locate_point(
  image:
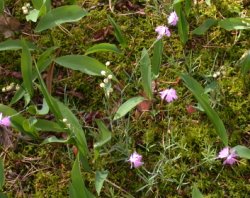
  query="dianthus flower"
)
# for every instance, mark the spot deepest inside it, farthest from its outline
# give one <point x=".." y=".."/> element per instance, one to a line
<point x="229" y="155"/>
<point x="136" y="160"/>
<point x="169" y="95"/>
<point x="173" y="18"/>
<point x="4" y="121"/>
<point x="162" y="30"/>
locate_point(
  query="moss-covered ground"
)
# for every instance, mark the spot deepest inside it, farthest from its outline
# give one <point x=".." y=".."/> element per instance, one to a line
<point x="178" y="148"/>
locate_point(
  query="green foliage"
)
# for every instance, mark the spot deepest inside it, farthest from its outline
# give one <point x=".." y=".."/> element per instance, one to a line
<point x="196" y="193"/>
<point x="104" y="136"/>
<point x="102" y="47"/>
<point x="100" y="177"/>
<point x="15" y="45"/>
<point x="157" y="57"/>
<point x="2" y="177"/>
<point x="208" y="23"/>
<point x="127" y="106"/>
<point x="57" y="16"/>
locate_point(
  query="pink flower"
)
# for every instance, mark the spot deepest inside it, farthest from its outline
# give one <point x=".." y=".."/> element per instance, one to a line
<point x="169" y="95"/>
<point x="173" y="18"/>
<point x="162" y="30"/>
<point x="229" y="155"/>
<point x="4" y="121"/>
<point x="136" y="160"/>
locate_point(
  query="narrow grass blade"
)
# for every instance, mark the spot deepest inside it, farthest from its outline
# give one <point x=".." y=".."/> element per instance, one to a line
<point x="202" y="29"/>
<point x="157" y="57"/>
<point x="242" y="151"/>
<point x="188" y="4"/>
<point x="102" y="47"/>
<point x="118" y="33"/>
<point x="183" y="26"/>
<point x="57" y="16"/>
<point x="26" y="68"/>
<point x="196" y="193"/>
<point x="202" y="98"/>
<point x="2" y="177"/>
<point x="127" y="106"/>
<point x="100" y="177"/>
<point x="104" y="136"/>
<point x="145" y="67"/>
<point x="15" y="45"/>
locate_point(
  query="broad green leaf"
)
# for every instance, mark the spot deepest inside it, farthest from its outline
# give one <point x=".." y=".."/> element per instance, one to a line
<point x="242" y="151"/>
<point x="202" y="98"/>
<point x="26" y="68"/>
<point x="196" y="193"/>
<point x="145" y="67"/>
<point x="51" y="103"/>
<point x="204" y="26"/>
<point x="2" y="178"/>
<point x="188" y="4"/>
<point x="83" y="64"/>
<point x="177" y="1"/>
<point x="105" y="134"/>
<point x="245" y="62"/>
<point x="77" y="187"/>
<point x="102" y="47"/>
<point x="235" y="23"/>
<point x="100" y="177"/>
<point x="48" y="126"/>
<point x="42" y="5"/>
<point x="75" y="126"/>
<point x="118" y="33"/>
<point x="28" y="125"/>
<point x="54" y="139"/>
<point x="2" y="195"/>
<point x="43" y="62"/>
<point x="1" y="6"/>
<point x="35" y="111"/>
<point x="15" y="45"/>
<point x="17" y="120"/>
<point x="208" y="2"/>
<point x="183" y="26"/>
<point x="157" y="57"/>
<point x="57" y="16"/>
<point x="127" y="106"/>
<point x="33" y="15"/>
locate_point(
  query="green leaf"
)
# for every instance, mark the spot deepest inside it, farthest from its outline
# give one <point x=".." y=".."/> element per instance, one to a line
<point x="242" y="151"/>
<point x="75" y="126"/>
<point x="2" y="178"/>
<point x="205" y="26"/>
<point x="83" y="64"/>
<point x="118" y="33"/>
<point x="33" y="15"/>
<point x="202" y="98"/>
<point x="43" y="62"/>
<point x="102" y="47"/>
<point x="105" y="134"/>
<point x="188" y="4"/>
<point x="208" y="2"/>
<point x="26" y="68"/>
<point x="54" y="139"/>
<point x="157" y="57"/>
<point x="145" y="67"/>
<point x="245" y="62"/>
<point x="48" y="126"/>
<point x="1" y="6"/>
<point x="177" y="1"/>
<point x="77" y="187"/>
<point x="100" y="177"/>
<point x="235" y="23"/>
<point x="183" y="26"/>
<point x="57" y="16"/>
<point x="127" y="106"/>
<point x="196" y="193"/>
<point x="15" y="45"/>
<point x="17" y="120"/>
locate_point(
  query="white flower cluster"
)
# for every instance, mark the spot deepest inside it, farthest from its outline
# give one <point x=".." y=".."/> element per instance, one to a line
<point x="219" y="73"/>
<point x="11" y="87"/>
<point x="26" y="8"/>
<point x="106" y="84"/>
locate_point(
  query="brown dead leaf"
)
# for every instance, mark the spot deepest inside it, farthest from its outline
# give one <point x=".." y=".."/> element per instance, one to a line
<point x="102" y="34"/>
<point x="8" y="25"/>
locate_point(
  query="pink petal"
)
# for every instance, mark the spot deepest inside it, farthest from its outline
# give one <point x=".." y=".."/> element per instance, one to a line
<point x="224" y="153"/>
